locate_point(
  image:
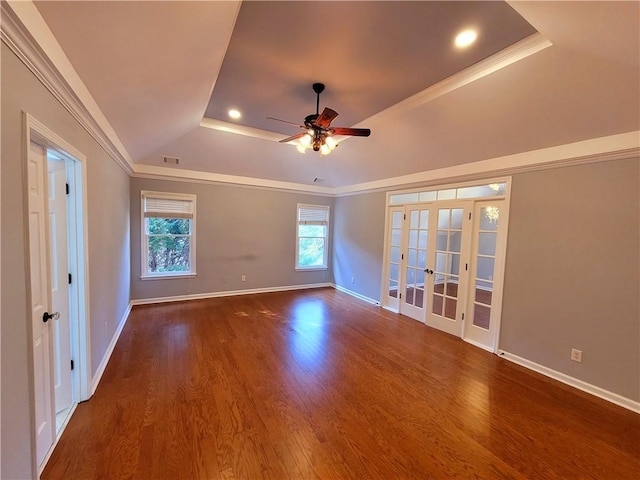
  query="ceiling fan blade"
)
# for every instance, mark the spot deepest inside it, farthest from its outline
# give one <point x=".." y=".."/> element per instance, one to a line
<point x="326" y="117"/>
<point x="285" y="121"/>
<point x="356" y="132"/>
<point x="294" y="137"/>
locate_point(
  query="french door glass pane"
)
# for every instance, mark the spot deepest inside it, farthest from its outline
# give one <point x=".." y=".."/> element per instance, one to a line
<point x="441" y="242"/>
<point x="485" y="268"/>
<point x="396" y="219"/>
<point x="481" y="316"/>
<point x="393" y="289"/>
<point x="437" y="304"/>
<point x="456" y="218"/>
<point x="450" y="308"/>
<point x="487" y="243"/>
<point x="483" y="296"/>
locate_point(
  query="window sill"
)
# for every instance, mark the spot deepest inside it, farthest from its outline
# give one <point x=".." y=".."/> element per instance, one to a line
<point x="168" y="277"/>
<point x="310" y="269"/>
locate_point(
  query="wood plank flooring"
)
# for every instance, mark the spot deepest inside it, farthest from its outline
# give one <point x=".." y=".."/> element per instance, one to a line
<point x="316" y="384"/>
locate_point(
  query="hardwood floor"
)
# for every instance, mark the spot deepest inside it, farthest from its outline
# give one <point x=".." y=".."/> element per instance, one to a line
<point x="316" y="384"/>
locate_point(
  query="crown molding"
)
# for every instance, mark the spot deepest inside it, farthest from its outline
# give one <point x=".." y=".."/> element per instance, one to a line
<point x="603" y="149"/>
<point x="524" y="48"/>
<point x="229" y="127"/>
<point x="25" y="32"/>
<point x="519" y="50"/>
<point x="194" y="176"/>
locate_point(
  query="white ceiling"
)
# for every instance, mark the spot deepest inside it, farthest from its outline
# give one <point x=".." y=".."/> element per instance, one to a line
<point x="155" y="69"/>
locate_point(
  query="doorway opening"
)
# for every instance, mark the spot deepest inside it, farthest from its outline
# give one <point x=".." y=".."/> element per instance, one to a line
<point x="59" y="324"/>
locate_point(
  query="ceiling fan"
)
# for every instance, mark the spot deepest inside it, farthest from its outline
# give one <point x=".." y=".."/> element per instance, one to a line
<point x="319" y="133"/>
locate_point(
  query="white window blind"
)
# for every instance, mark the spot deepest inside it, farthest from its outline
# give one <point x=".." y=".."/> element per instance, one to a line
<point x="167" y="207"/>
<point x="311" y="215"/>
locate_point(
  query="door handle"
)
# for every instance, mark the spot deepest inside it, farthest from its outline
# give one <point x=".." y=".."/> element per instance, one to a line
<point x="430" y="272"/>
<point x="46" y="316"/>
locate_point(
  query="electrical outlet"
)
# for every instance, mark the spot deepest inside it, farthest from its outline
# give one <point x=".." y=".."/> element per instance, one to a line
<point x="576" y="355"/>
<point x="243" y="278"/>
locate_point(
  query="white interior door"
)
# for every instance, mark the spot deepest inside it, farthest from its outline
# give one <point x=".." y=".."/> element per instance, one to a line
<point x="414" y="261"/>
<point x="60" y="283"/>
<point x="394" y="258"/>
<point x="480" y="326"/>
<point x="448" y="267"/>
<point x="40" y="301"/>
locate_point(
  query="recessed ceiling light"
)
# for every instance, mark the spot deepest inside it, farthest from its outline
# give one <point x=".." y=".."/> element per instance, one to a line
<point x="235" y="114"/>
<point x="466" y="38"/>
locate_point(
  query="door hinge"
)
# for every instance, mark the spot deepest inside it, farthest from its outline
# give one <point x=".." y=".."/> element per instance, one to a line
<point x="463" y="316"/>
<point x="404" y="217"/>
<point x="71" y="364"/>
<point x="69" y="279"/>
<point x="466" y="267"/>
<point x="399" y="295"/>
<point x="469" y="215"/>
<point x="402" y="256"/>
<point x="66" y="188"/>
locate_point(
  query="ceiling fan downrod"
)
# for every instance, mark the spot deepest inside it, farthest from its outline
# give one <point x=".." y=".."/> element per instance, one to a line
<point x="318" y="88"/>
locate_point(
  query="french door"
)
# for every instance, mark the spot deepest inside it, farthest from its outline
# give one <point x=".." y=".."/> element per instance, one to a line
<point x="443" y="266"/>
<point x="485" y="274"/>
<point x="425" y="280"/>
<point x="449" y="267"/>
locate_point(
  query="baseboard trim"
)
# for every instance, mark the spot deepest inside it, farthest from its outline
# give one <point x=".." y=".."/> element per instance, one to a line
<point x="573" y="382"/>
<point x="356" y="294"/>
<point x="479" y="345"/>
<point x="107" y="355"/>
<point x="228" y="293"/>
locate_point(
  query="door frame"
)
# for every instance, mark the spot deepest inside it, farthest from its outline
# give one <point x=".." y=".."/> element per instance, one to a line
<point x="36" y="132"/>
<point x="439" y="194"/>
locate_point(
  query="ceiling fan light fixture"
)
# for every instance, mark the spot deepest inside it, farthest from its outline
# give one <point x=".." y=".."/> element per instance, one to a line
<point x="305" y="140"/>
<point x="324" y="149"/>
<point x="330" y="142"/>
<point x="301" y="148"/>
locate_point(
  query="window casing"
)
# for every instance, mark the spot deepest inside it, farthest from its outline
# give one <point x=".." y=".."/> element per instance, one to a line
<point x="312" y="237"/>
<point x="168" y="235"/>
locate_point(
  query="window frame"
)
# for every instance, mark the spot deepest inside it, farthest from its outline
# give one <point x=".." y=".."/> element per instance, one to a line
<point x="145" y="274"/>
<point x="325" y="258"/>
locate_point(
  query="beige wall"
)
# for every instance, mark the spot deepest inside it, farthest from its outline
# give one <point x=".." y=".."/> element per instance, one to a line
<point x="108" y="243"/>
<point x="359" y="243"/>
<point x="239" y="231"/>
<point x="571" y="275"/>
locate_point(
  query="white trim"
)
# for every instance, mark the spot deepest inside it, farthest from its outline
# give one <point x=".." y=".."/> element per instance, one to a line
<point x="227" y="293"/>
<point x="168" y="277"/>
<point x="37" y="131"/>
<point x="144" y="238"/>
<point x="229" y="127"/>
<point x="627" y="403"/>
<point x="59" y="432"/>
<point x="107" y="354"/>
<point x="26" y="33"/>
<point x="356" y="295"/>
<point x="528" y="46"/>
<point x="28" y="36"/>
<point x="602" y="149"/>
<point x="518" y="51"/>
<point x="478" y="344"/>
<point x="325" y="252"/>
<point x="195" y="176"/>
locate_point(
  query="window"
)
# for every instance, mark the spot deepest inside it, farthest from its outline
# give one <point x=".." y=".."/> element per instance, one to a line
<point x="168" y="234"/>
<point x="312" y="235"/>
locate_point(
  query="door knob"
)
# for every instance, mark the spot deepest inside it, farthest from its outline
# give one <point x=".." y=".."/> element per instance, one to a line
<point x="46" y="316"/>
